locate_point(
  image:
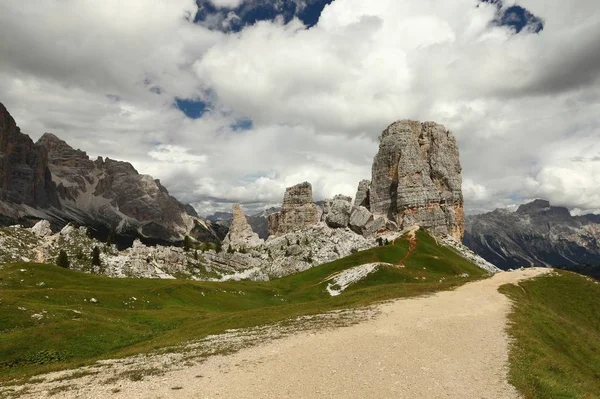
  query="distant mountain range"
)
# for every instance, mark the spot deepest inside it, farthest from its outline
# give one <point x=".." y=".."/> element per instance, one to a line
<point x="537" y="234"/>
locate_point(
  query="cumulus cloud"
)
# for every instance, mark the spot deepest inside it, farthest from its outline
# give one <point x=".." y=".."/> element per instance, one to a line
<point x="104" y="76"/>
<point x="227" y="3"/>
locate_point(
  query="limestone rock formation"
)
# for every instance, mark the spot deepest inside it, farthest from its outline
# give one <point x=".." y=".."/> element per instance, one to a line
<point x="297" y="211"/>
<point x="240" y="233"/>
<point x="338" y="215"/>
<point x="362" y="194"/>
<point x="416" y="178"/>
<point x="42" y="229"/>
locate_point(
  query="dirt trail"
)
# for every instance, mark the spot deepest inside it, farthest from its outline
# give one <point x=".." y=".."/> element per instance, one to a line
<point x="412" y="244"/>
<point x="449" y="345"/>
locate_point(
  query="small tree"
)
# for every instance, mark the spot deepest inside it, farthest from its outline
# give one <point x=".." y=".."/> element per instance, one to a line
<point x="96" y="257"/>
<point x="196" y="255"/>
<point x="63" y="259"/>
<point x="230" y="249"/>
<point x="219" y="247"/>
<point x="187" y="243"/>
<point x="110" y="240"/>
<point x="380" y="241"/>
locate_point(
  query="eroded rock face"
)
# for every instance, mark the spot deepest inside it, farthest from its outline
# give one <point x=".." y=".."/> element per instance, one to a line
<point x="240" y="233"/>
<point x="24" y="175"/>
<point x="297" y="211"/>
<point x="416" y="178"/>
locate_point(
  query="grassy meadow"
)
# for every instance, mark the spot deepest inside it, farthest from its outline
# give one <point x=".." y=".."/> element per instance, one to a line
<point x="53" y="318"/>
<point x="555" y="331"/>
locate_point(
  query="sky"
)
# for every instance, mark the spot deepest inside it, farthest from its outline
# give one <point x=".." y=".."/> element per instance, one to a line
<point x="233" y="100"/>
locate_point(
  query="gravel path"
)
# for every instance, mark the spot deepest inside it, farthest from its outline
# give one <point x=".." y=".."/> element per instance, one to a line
<point x="449" y="345"/>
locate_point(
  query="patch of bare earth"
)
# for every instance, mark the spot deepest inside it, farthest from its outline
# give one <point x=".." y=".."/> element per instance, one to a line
<point x="449" y="345"/>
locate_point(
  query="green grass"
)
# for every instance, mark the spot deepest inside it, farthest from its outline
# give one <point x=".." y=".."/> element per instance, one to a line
<point x="75" y="331"/>
<point x="556" y="330"/>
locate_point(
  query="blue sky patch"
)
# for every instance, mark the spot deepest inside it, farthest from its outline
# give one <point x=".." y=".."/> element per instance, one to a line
<point x="516" y="17"/>
<point x="250" y="12"/>
<point x="242" y="124"/>
<point x="193" y="109"/>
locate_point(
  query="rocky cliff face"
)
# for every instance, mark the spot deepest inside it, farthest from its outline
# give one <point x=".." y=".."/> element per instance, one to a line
<point x="24" y="174"/>
<point x="62" y="184"/>
<point x="537" y="234"/>
<point x="297" y="211"/>
<point x="416" y="178"/>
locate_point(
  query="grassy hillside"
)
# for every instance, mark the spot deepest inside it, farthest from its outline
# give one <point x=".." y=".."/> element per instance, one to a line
<point x="556" y="327"/>
<point x="53" y="318"/>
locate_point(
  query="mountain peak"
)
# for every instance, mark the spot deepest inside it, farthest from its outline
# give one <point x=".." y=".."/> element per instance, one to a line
<point x="534" y="206"/>
<point x="543" y="206"/>
<point x="61" y="153"/>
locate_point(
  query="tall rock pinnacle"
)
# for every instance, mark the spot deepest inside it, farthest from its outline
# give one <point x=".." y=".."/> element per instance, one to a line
<point x="240" y="233"/>
<point x="416" y="178"/>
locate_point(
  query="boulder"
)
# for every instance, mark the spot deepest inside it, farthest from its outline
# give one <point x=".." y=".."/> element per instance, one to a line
<point x="360" y="218"/>
<point x="339" y="212"/>
<point x="42" y="229"/>
<point x="416" y="178"/>
<point x="364" y="223"/>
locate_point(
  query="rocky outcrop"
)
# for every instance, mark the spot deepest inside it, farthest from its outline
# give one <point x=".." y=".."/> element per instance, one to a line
<point x="241" y="235"/>
<point x="537" y="234"/>
<point x="338" y="211"/>
<point x="362" y="194"/>
<point x="42" y="228"/>
<point x="24" y="174"/>
<point x="416" y="178"/>
<point x="51" y="180"/>
<point x="297" y="211"/>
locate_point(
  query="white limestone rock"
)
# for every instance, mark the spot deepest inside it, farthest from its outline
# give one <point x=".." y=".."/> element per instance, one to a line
<point x="42" y="229"/>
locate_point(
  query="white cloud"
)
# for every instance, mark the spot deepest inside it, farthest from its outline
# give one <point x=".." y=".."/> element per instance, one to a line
<point x="227" y="3"/>
<point x="103" y="76"/>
